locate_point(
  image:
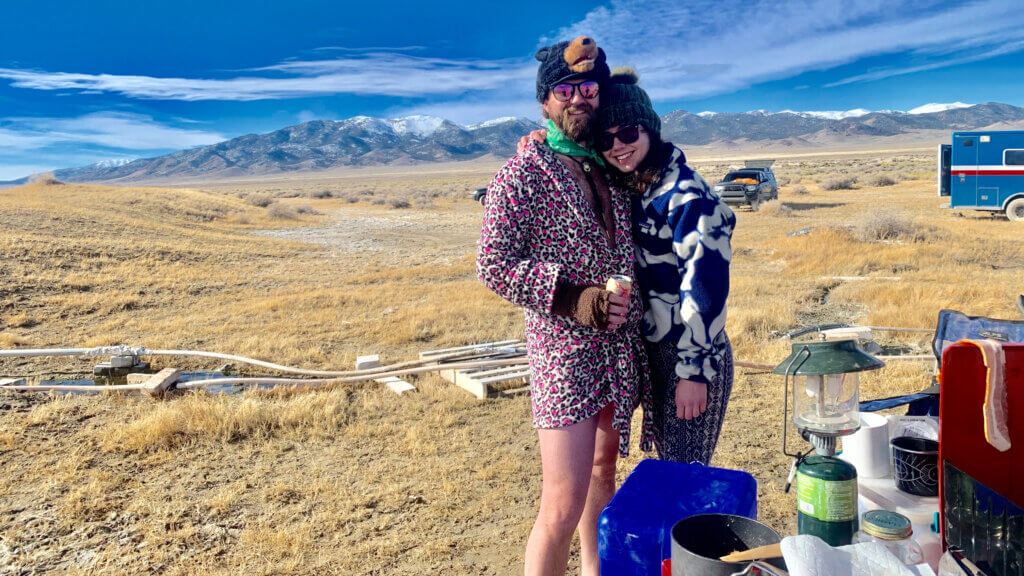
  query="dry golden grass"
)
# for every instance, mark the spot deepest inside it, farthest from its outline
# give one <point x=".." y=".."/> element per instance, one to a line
<point x="353" y="479"/>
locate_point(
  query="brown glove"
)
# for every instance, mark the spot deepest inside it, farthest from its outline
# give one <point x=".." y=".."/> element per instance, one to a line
<point x="587" y="305"/>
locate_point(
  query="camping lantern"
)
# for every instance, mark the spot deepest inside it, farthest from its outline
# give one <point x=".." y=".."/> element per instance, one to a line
<point x="825" y="389"/>
<point x="826" y="394"/>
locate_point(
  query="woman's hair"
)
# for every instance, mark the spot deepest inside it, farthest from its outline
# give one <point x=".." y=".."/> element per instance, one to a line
<point x="638" y="181"/>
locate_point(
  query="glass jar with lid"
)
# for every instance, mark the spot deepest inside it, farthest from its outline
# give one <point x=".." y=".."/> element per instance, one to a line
<point x="894" y="531"/>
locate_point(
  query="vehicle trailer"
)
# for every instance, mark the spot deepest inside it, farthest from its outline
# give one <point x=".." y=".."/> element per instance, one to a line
<point x="984" y="171"/>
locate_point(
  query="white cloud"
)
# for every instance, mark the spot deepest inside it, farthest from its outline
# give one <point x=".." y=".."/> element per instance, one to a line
<point x="706" y="47"/>
<point x="385" y="74"/>
<point x="104" y="129"/>
<point x="890" y="72"/>
<point x="683" y="49"/>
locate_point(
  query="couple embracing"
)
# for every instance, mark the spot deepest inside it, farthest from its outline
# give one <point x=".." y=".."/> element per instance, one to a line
<point x="596" y="194"/>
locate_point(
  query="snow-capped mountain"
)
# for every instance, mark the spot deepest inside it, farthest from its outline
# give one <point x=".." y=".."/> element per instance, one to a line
<point x="364" y="140"/>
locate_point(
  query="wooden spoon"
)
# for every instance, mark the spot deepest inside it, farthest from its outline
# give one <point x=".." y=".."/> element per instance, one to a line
<point x="759" y="553"/>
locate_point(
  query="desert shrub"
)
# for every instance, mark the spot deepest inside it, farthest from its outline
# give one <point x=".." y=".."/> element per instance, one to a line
<point x="778" y="209"/>
<point x="282" y="212"/>
<point x="320" y="194"/>
<point x="306" y="209"/>
<point x="45" y="178"/>
<point x="378" y="201"/>
<point x="838" y="183"/>
<point x="261" y="200"/>
<point x="22" y="321"/>
<point x="799" y="190"/>
<point x="882" y="226"/>
<point x="880" y="180"/>
<point x="423" y="201"/>
<point x="398" y="203"/>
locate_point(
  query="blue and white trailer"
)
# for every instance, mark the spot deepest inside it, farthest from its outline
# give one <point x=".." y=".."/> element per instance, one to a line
<point x="984" y="171"/>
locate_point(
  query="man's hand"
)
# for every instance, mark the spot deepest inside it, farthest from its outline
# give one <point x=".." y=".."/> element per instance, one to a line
<point x="538" y="135"/>
<point x="618" y="310"/>
<point x="691" y="399"/>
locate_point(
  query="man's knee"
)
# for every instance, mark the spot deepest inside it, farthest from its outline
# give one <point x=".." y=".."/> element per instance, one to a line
<point x="562" y="509"/>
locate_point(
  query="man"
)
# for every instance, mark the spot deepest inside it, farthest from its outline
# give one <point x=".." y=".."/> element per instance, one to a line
<point x="553" y="232"/>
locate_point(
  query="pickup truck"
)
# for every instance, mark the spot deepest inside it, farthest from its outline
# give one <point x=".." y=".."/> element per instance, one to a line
<point x="751" y="185"/>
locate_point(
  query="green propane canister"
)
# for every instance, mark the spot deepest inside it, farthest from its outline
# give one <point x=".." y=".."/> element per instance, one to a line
<point x="826" y="493"/>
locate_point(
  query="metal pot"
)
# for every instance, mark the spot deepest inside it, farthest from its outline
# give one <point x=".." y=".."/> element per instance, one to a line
<point x="699" y="541"/>
<point x="916" y="465"/>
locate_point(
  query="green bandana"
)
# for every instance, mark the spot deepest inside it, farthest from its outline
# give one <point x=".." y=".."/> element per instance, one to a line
<point x="563" y="145"/>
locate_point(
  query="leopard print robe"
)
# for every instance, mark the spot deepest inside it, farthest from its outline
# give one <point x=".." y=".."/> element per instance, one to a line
<point x="538" y="228"/>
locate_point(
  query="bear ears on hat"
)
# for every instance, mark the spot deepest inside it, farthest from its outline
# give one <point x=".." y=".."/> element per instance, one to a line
<point x="580" y="53"/>
<point x="624" y="75"/>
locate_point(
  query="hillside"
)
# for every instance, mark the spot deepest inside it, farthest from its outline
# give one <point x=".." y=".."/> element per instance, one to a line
<point x="322" y="145"/>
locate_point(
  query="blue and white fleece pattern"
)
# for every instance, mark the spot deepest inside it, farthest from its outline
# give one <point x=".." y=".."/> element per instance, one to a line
<point x="683" y="232"/>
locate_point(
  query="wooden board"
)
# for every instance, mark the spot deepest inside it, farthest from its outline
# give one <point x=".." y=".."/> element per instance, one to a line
<point x="159" y="383"/>
<point x="484" y="382"/>
<point x="481" y="383"/>
<point x="397" y="385"/>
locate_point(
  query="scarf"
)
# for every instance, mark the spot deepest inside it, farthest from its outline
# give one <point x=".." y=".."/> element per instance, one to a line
<point x="561" y="143"/>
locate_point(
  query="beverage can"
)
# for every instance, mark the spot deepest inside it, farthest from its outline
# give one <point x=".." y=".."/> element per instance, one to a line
<point x="620" y="284"/>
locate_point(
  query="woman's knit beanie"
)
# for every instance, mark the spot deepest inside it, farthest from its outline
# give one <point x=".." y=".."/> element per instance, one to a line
<point x="624" y="103"/>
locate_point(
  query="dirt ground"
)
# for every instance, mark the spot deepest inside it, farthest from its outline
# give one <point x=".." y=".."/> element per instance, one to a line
<point x="355" y="479"/>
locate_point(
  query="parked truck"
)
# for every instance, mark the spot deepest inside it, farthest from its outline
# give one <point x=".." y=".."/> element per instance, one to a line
<point x="984" y="171"/>
<point x="751" y="185"/>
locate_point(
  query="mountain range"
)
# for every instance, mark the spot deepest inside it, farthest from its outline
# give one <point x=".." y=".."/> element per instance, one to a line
<point x="364" y="141"/>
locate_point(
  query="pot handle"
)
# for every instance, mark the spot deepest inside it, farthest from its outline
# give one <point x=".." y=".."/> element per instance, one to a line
<point x="759" y="567"/>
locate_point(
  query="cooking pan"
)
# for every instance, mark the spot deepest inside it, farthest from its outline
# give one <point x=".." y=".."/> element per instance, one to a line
<point x="699" y="541"/>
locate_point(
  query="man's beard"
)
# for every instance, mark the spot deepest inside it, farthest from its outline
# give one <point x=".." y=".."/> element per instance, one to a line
<point x="578" y="128"/>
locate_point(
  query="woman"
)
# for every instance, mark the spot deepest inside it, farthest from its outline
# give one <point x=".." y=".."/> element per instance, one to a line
<point x="682" y="232"/>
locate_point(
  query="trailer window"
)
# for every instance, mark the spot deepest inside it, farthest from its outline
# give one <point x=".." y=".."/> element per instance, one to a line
<point x="1013" y="157"/>
<point x="968" y="141"/>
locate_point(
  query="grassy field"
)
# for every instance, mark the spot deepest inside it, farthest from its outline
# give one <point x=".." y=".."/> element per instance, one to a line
<point x="313" y="272"/>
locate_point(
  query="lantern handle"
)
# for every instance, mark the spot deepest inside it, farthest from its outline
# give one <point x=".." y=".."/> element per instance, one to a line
<point x="785" y="397"/>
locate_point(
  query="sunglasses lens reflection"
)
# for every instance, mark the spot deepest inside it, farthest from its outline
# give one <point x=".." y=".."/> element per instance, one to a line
<point x="606" y="140"/>
<point x="563" y="92"/>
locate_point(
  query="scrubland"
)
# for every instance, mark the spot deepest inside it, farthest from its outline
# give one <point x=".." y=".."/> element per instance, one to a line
<point x="355" y="479"/>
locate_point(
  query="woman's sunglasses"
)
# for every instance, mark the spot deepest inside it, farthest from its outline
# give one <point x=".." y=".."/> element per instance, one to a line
<point x="606" y="140"/>
<point x="564" y="92"/>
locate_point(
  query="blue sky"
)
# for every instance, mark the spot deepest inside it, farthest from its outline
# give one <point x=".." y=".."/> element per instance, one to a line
<point x="82" y="82"/>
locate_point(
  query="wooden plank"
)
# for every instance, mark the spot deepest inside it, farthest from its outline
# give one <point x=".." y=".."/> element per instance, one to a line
<point x="483" y="347"/>
<point x="499" y="371"/>
<point x="397" y="385"/>
<point x="516" y="391"/>
<point x="136" y="378"/>
<point x="12" y="382"/>
<point x="471" y="385"/>
<point x="160" y="382"/>
<point x="367" y="362"/>
<point x="505" y="377"/>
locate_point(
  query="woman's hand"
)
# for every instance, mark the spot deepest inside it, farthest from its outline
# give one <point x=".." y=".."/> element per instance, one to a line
<point x="618" y="310"/>
<point x="538" y="135"/>
<point x="691" y="399"/>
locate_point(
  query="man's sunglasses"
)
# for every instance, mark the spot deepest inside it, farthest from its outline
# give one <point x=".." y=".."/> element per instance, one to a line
<point x="564" y="92"/>
<point x="606" y="140"/>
